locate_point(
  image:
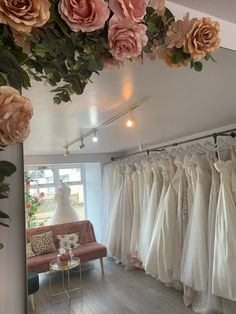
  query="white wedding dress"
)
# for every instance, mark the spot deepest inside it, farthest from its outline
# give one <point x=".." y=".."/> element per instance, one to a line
<point x="152" y="257"/>
<point x="136" y="215"/>
<point x="115" y="228"/>
<point x="181" y="187"/>
<point x="148" y="180"/>
<point x="127" y="216"/>
<point x="164" y="232"/>
<point x="194" y="266"/>
<point x="224" y="259"/>
<point x="153" y="204"/>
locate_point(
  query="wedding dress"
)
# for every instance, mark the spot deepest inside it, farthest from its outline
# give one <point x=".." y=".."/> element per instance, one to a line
<point x="165" y="228"/>
<point x="207" y="302"/>
<point x="152" y="257"/>
<point x="152" y="204"/>
<point x="115" y="229"/>
<point x="224" y="258"/>
<point x="181" y="187"/>
<point x="136" y="215"/>
<point x="127" y="215"/>
<point x="194" y="266"/>
<point x="148" y="179"/>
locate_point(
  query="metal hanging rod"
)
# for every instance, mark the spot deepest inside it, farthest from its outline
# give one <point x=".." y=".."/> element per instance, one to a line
<point x="231" y="132"/>
<point x="106" y="123"/>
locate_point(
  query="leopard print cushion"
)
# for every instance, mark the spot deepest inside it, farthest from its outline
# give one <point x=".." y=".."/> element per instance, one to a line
<point x="42" y="243"/>
<point x="29" y="252"/>
<point x="68" y="241"/>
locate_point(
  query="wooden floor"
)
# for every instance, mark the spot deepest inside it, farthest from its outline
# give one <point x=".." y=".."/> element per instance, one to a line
<point x="119" y="291"/>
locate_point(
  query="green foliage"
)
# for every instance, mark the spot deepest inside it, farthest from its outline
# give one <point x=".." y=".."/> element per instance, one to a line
<point x="65" y="59"/>
<point x="6" y="170"/>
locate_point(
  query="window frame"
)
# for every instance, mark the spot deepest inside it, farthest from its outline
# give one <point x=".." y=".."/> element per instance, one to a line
<point x="56" y="177"/>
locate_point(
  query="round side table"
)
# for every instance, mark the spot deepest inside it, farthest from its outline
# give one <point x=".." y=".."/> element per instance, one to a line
<point x="56" y="266"/>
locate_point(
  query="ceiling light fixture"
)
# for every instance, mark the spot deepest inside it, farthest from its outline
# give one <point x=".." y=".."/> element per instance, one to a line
<point x="95" y="138"/>
<point x="66" y="152"/>
<point x="81" y="144"/>
<point x="130" y="123"/>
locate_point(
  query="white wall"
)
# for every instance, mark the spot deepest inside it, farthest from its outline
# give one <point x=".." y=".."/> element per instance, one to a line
<point x="12" y="256"/>
<point x="94" y="197"/>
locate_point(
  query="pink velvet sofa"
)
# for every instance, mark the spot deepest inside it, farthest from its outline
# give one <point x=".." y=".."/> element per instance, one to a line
<point x="88" y="250"/>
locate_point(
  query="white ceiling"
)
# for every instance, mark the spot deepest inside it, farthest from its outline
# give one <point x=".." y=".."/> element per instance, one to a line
<point x="181" y="103"/>
<point x="225" y="10"/>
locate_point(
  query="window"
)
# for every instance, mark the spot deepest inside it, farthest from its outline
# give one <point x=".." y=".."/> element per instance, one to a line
<point x="40" y="188"/>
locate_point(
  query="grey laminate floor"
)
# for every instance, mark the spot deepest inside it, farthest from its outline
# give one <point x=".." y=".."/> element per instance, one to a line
<point x="119" y="292"/>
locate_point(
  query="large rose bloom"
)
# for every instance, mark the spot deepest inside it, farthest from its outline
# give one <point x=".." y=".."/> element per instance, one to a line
<point x="202" y="38"/>
<point x="129" y="9"/>
<point x="126" y="39"/>
<point x="15" y="114"/>
<point x="84" y="15"/>
<point x="25" y="14"/>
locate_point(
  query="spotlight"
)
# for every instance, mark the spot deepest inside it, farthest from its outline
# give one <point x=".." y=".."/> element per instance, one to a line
<point x="130" y="123"/>
<point x="66" y="152"/>
<point x="81" y="144"/>
<point x="95" y="139"/>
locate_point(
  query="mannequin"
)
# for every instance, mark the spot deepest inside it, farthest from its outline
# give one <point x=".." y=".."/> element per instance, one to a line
<point x="64" y="212"/>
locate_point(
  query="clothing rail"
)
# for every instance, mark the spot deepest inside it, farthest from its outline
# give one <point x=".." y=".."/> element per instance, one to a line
<point x="231" y="133"/>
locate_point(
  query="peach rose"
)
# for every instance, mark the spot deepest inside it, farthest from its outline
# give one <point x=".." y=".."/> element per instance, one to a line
<point x="202" y="38"/>
<point x="25" y="14"/>
<point x="158" y="5"/>
<point x="15" y="114"/>
<point x="84" y="15"/>
<point x="129" y="9"/>
<point x="126" y="39"/>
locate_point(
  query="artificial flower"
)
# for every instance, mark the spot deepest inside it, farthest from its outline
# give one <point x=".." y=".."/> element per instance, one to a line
<point x="175" y="36"/>
<point x="25" y="14"/>
<point x="15" y="114"/>
<point x="202" y="38"/>
<point x="129" y="9"/>
<point x="158" y="5"/>
<point x="84" y="15"/>
<point x="126" y="39"/>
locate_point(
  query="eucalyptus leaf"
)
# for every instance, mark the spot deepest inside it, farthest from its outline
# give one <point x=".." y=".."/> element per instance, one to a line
<point x="7" y="168"/>
<point x="4" y="225"/>
<point x="197" y="66"/>
<point x="1" y="246"/>
<point x="3" y="215"/>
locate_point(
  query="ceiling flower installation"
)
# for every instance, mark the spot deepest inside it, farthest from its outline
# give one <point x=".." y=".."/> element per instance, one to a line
<point x="64" y="42"/>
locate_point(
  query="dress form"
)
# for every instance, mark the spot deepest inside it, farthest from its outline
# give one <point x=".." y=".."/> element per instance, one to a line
<point x="64" y="212"/>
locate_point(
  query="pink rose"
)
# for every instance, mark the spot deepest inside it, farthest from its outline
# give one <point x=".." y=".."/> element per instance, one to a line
<point x="126" y="39"/>
<point x="15" y="114"/>
<point x="129" y="9"/>
<point x="84" y="15"/>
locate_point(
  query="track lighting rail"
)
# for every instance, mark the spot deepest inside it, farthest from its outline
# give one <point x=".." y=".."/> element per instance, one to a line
<point x="104" y="124"/>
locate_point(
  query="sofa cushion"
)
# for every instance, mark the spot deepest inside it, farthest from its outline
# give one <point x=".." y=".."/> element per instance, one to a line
<point x="29" y="251"/>
<point x="84" y="228"/>
<point x="68" y="241"/>
<point x="42" y="243"/>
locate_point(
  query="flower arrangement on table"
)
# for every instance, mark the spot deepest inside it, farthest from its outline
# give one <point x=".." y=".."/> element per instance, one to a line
<point x="65" y="41"/>
<point x="64" y="257"/>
